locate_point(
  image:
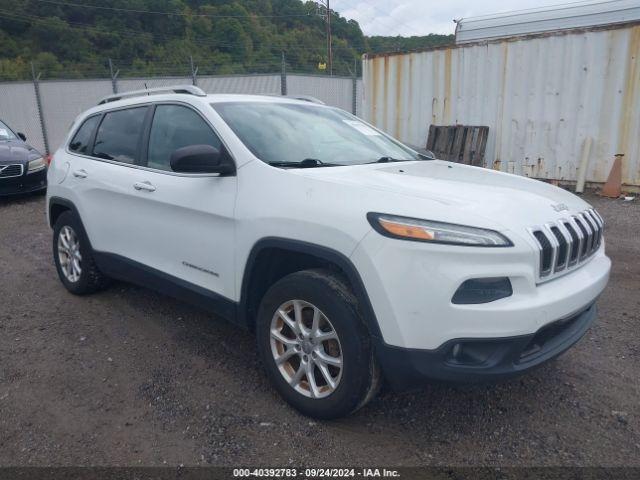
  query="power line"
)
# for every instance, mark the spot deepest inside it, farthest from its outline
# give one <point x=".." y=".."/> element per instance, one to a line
<point x="152" y="12"/>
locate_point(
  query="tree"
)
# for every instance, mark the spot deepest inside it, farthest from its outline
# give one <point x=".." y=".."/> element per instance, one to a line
<point x="223" y="36"/>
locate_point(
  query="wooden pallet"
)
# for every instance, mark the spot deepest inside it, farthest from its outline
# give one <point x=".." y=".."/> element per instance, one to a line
<point x="458" y="143"/>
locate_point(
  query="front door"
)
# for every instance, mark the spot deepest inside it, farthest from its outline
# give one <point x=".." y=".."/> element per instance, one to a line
<point x="185" y="221"/>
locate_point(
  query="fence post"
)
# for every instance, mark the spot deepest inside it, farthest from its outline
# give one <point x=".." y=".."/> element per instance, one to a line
<point x="194" y="72"/>
<point x="114" y="77"/>
<point x="354" y="88"/>
<point x="283" y="76"/>
<point x="36" y="87"/>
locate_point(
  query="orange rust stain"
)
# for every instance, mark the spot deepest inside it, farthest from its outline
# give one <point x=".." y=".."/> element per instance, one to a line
<point x="447" y="86"/>
<point x="399" y="109"/>
<point x="385" y="120"/>
<point x="375" y="87"/>
<point x="505" y="57"/>
<point x="410" y="93"/>
<point x="630" y="101"/>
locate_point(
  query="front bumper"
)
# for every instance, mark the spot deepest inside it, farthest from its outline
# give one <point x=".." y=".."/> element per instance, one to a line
<point x="25" y="183"/>
<point x="482" y="359"/>
<point x="411" y="286"/>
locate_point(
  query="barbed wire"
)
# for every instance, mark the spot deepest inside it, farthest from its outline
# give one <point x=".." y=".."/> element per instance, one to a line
<point x="179" y="14"/>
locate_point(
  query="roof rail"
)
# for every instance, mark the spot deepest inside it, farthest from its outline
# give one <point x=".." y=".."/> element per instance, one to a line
<point x="185" y="89"/>
<point x="304" y="98"/>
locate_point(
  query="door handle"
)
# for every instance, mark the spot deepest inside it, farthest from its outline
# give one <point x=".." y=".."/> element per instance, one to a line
<point x="146" y="186"/>
<point x="82" y="173"/>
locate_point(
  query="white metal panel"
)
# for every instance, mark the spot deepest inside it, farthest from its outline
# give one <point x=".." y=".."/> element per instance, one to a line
<point x="249" y="84"/>
<point x="359" y="93"/>
<point x="541" y="97"/>
<point x="547" y="19"/>
<point x="63" y="101"/>
<point x="334" y="91"/>
<point x="129" y="84"/>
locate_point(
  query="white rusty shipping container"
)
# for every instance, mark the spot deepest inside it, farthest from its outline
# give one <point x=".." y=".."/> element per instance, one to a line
<point x="547" y="19"/>
<point x="542" y="97"/>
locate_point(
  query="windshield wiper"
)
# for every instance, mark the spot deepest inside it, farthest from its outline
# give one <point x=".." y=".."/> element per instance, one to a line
<point x="306" y="163"/>
<point x="391" y="159"/>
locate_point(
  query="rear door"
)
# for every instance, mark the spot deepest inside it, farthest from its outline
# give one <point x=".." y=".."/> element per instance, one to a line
<point x="105" y="156"/>
<point x="184" y="223"/>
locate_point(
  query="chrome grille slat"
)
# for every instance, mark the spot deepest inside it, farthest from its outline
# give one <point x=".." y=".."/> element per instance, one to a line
<point x="598" y="225"/>
<point x="565" y="244"/>
<point x="586" y="233"/>
<point x="595" y="229"/>
<point x="11" y="170"/>
<point x="575" y="242"/>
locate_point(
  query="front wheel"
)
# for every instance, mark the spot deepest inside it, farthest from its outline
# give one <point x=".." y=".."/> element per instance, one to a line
<point x="315" y="346"/>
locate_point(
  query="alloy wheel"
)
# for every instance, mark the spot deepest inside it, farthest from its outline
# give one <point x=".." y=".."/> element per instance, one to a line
<point x="306" y="349"/>
<point x="69" y="254"/>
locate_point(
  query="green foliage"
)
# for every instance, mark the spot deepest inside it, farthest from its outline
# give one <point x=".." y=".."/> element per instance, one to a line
<point x="223" y="36"/>
<point x="403" y="44"/>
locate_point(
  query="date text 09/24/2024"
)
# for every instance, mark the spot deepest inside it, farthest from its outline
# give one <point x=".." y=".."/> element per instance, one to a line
<point x="315" y="472"/>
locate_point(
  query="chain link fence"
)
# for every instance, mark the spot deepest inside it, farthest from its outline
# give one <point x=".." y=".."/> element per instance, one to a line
<point x="19" y="110"/>
<point x="44" y="109"/>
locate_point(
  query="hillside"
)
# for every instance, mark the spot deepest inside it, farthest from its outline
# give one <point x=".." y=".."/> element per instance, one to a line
<point x="75" y="38"/>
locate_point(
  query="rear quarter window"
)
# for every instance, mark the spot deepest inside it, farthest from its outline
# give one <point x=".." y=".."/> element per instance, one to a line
<point x="80" y="141"/>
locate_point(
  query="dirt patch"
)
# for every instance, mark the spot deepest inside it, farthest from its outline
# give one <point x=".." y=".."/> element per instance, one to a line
<point x="129" y="377"/>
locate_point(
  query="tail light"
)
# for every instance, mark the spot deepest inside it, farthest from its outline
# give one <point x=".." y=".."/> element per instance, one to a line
<point x="48" y="159"/>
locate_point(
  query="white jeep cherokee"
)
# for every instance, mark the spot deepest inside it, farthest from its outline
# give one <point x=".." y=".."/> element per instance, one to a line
<point x="351" y="256"/>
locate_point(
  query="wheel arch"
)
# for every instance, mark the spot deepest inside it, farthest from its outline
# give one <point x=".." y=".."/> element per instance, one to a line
<point x="273" y="258"/>
<point x="57" y="206"/>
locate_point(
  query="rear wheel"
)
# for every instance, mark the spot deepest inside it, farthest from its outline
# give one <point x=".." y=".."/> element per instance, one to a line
<point x="73" y="257"/>
<point x="315" y="346"/>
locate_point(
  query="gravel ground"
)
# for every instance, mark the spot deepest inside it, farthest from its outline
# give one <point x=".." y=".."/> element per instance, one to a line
<point x="129" y="377"/>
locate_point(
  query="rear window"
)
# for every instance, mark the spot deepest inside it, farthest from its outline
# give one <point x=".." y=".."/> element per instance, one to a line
<point x="80" y="142"/>
<point x="118" y="136"/>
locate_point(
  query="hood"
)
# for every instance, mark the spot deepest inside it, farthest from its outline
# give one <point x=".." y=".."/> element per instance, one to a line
<point x="16" y="151"/>
<point x="455" y="193"/>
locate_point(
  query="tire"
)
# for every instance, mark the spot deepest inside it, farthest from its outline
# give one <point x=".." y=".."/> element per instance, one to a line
<point x="89" y="279"/>
<point x="347" y="387"/>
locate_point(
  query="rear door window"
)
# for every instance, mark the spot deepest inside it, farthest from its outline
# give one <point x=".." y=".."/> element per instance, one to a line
<point x="82" y="138"/>
<point x="119" y="134"/>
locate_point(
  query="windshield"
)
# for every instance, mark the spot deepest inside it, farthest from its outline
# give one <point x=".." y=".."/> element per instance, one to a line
<point x="308" y="135"/>
<point x="6" y="133"/>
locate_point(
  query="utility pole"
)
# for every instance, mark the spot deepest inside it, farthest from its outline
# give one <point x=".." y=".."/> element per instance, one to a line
<point x="324" y="5"/>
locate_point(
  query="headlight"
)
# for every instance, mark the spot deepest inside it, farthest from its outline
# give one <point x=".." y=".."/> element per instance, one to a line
<point x="36" y="165"/>
<point x="436" y="232"/>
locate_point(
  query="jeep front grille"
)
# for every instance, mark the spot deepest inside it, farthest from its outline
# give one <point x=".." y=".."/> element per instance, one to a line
<point x="567" y="243"/>
<point x="8" y="171"/>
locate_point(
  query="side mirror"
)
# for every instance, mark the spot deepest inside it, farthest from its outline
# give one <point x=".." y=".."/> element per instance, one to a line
<point x="22" y="136"/>
<point x="200" y="159"/>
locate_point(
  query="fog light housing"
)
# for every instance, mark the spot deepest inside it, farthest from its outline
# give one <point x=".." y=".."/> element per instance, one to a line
<point x="472" y="353"/>
<point x="482" y="290"/>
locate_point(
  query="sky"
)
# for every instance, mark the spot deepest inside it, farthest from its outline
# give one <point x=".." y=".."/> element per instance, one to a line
<point x="421" y="17"/>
